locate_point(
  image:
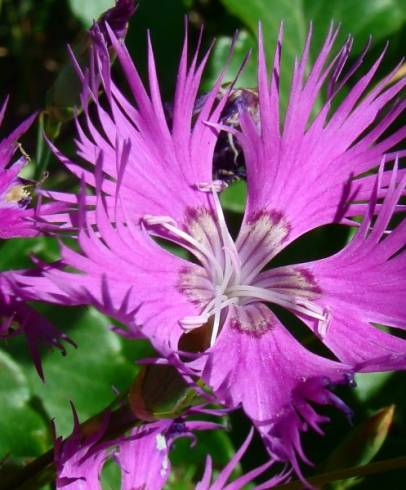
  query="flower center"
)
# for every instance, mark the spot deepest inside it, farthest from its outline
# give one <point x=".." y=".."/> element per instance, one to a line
<point x="232" y="271"/>
<point x="18" y="194"/>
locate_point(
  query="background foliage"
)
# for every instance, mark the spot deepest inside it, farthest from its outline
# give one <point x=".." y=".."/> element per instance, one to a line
<point x="33" y="38"/>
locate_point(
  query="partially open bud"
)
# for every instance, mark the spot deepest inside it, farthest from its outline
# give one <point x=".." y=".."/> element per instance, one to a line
<point x="159" y="391"/>
<point x="64" y="95"/>
<point x="228" y="159"/>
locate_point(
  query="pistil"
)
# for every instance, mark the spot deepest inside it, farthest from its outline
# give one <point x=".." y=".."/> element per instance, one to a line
<point x="233" y="281"/>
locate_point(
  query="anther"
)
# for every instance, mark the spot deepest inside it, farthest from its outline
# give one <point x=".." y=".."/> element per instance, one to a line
<point x="215" y="186"/>
<point x="152" y="220"/>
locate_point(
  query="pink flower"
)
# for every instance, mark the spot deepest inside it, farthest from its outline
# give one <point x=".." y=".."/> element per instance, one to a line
<point x="15" y="217"/>
<point x="18" y="219"/>
<point x="142" y="455"/>
<point x="154" y="182"/>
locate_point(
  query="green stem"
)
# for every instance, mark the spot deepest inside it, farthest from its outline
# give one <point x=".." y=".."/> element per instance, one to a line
<point x="368" y="469"/>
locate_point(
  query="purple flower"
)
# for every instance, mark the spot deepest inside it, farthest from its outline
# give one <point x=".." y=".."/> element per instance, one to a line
<point x="142" y="455"/>
<point x="117" y="18"/>
<point x="154" y="182"/>
<point x="17" y="317"/>
<point x="16" y="220"/>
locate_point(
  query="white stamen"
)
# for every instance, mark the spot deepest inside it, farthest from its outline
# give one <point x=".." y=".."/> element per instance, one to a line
<point x="158" y="220"/>
<point x="169" y="224"/>
<point x="192" y="322"/>
<point x="286" y="300"/>
<point x="217" y="312"/>
<point x="160" y="442"/>
<point x="215" y="186"/>
<point x="206" y="236"/>
<point x="323" y="325"/>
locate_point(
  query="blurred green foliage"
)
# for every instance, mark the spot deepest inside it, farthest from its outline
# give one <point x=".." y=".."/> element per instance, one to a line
<point x="33" y="38"/>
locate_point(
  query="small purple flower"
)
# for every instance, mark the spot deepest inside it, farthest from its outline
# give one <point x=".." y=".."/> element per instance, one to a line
<point x="15" y="217"/>
<point x="154" y="181"/>
<point x="17" y="220"/>
<point x="142" y="455"/>
<point x="117" y="18"/>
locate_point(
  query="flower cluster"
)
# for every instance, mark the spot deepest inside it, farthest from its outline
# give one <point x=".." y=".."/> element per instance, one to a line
<point x="212" y="315"/>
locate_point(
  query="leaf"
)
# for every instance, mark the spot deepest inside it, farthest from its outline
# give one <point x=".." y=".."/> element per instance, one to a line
<point x="23" y="432"/>
<point x="360" y="18"/>
<point x="233" y="198"/>
<point x="368" y="469"/>
<point x="87" y="11"/>
<point x="370" y="384"/>
<point x="381" y="18"/>
<point x="87" y="375"/>
<point x="244" y="43"/>
<point x="110" y="476"/>
<point x="15" y="254"/>
<point x="360" y="446"/>
<point x="271" y="14"/>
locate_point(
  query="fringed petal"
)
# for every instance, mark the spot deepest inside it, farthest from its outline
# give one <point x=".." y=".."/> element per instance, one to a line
<point x="313" y="169"/>
<point x="257" y="364"/>
<point x="364" y="285"/>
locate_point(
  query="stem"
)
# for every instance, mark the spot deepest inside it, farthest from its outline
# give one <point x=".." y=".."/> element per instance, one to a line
<point x="368" y="469"/>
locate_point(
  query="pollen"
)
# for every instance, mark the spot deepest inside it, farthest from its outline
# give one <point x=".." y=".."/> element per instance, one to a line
<point x="18" y="194"/>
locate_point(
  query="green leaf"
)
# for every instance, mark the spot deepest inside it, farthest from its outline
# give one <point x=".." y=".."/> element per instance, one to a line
<point x="221" y="51"/>
<point x="23" y="432"/>
<point x="87" y="375"/>
<point x="233" y="198"/>
<point x="15" y="254"/>
<point x="381" y="18"/>
<point x="368" y="469"/>
<point x="87" y="11"/>
<point x="360" y="446"/>
<point x="370" y="384"/>
<point x="111" y="476"/>
<point x="360" y="18"/>
<point x="271" y="13"/>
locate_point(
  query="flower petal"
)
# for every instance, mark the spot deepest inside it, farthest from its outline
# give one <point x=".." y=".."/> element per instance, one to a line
<point x="365" y="284"/>
<point x="312" y="170"/>
<point x="163" y="162"/>
<point x="256" y="363"/>
<point x="18" y="317"/>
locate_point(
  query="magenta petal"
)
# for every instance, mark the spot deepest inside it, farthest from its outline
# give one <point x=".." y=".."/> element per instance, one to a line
<point x="365" y="284"/>
<point x="310" y="169"/>
<point x="260" y="366"/>
<point x="136" y="137"/>
<point x="144" y="460"/>
<point x="18" y="317"/>
<point x="127" y="275"/>
<point x="220" y="483"/>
